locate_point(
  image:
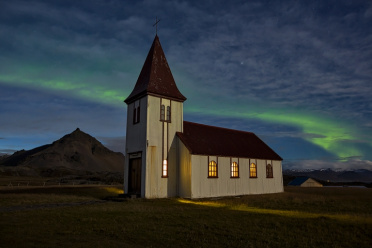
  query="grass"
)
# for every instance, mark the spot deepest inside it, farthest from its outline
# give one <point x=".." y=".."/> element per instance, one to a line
<point x="325" y="217"/>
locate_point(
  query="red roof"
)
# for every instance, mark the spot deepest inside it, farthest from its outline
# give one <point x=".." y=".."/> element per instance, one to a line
<point x="156" y="77"/>
<point x="216" y="141"/>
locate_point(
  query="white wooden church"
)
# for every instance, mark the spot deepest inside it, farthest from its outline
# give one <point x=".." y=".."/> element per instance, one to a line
<point x="169" y="157"/>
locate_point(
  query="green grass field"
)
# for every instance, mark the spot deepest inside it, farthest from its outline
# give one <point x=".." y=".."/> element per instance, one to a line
<point x="78" y="217"/>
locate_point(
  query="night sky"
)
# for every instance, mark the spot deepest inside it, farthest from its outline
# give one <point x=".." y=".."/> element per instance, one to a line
<point x="296" y="73"/>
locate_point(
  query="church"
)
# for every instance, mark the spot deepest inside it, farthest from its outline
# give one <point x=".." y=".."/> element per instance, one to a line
<point x="168" y="157"/>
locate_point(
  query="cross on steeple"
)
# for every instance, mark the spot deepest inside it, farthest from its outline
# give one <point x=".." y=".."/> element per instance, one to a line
<point x="156" y="25"/>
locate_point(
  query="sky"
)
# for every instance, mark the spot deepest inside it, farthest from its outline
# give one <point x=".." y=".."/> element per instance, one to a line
<point x="296" y="73"/>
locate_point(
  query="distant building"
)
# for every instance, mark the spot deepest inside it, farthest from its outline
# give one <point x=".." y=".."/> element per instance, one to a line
<point x="169" y="157"/>
<point x="305" y="182"/>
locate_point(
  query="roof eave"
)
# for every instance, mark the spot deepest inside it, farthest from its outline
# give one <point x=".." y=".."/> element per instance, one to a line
<point x="145" y="93"/>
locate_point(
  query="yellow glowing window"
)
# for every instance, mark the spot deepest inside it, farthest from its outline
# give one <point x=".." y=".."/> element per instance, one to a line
<point x="164" y="172"/>
<point x="269" y="171"/>
<point x="253" y="170"/>
<point x="212" y="169"/>
<point x="234" y="169"/>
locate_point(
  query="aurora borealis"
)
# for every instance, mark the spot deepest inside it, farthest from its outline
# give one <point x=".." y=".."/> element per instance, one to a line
<point x="296" y="73"/>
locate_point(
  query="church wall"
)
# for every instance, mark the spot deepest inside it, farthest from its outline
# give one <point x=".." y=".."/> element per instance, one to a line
<point x="278" y="174"/>
<point x="184" y="187"/>
<point x="176" y="125"/>
<point x="224" y="185"/>
<point x="160" y="137"/>
<point x="136" y="140"/>
<point x="136" y="135"/>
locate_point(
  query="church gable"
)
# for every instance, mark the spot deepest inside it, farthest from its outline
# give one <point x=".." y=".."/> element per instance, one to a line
<point x="209" y="140"/>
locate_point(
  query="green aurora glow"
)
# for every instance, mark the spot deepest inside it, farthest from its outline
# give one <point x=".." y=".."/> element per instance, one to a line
<point x="331" y="135"/>
<point x="90" y="92"/>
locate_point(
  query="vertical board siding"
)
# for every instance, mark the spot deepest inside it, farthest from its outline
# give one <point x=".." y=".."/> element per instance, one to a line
<point x="202" y="186"/>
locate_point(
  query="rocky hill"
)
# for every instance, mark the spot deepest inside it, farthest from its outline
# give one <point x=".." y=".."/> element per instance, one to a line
<point x="76" y="153"/>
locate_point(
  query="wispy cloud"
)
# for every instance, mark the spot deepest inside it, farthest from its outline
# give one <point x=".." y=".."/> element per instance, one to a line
<point x="353" y="164"/>
<point x="116" y="144"/>
<point x="302" y="68"/>
<point x="7" y="151"/>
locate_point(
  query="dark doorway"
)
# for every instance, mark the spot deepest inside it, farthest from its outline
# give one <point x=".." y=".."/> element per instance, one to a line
<point x="134" y="182"/>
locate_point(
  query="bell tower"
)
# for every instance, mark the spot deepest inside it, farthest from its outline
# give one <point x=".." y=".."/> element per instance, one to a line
<point x="154" y="115"/>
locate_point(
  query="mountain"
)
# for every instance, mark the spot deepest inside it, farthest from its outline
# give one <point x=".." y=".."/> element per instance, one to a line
<point x="74" y="153"/>
<point x="330" y="175"/>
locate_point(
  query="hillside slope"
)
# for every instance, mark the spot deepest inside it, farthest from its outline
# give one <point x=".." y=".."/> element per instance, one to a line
<point x="75" y="152"/>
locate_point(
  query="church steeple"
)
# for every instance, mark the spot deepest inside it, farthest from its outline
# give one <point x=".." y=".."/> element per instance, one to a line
<point x="156" y="77"/>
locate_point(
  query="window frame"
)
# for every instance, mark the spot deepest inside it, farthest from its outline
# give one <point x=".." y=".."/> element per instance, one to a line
<point x="164" y="169"/>
<point x="269" y="171"/>
<point x="136" y="114"/>
<point x="252" y="170"/>
<point x="234" y="170"/>
<point x="212" y="169"/>
<point x="168" y="114"/>
<point x="162" y="112"/>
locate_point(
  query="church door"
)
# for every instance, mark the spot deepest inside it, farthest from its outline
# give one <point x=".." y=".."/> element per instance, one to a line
<point x="134" y="182"/>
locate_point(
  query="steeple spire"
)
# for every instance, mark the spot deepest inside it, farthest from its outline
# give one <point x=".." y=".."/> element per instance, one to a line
<point x="156" y="77"/>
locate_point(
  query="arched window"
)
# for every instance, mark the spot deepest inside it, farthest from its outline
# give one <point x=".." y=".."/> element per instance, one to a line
<point x="269" y="171"/>
<point x="212" y="169"/>
<point x="253" y="170"/>
<point x="162" y="113"/>
<point x="168" y="113"/>
<point x="234" y="169"/>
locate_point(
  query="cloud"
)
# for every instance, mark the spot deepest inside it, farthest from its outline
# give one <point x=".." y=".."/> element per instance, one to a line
<point x="42" y="117"/>
<point x="302" y="66"/>
<point x="116" y="144"/>
<point x="7" y="151"/>
<point x="287" y="60"/>
<point x="297" y="135"/>
<point x="279" y="52"/>
<point x="353" y="164"/>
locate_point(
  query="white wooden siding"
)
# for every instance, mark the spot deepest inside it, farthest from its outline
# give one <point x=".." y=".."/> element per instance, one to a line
<point x="224" y="185"/>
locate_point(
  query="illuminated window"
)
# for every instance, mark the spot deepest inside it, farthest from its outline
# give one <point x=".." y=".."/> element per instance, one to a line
<point x="162" y="113"/>
<point x="165" y="169"/>
<point x="168" y="113"/>
<point x="212" y="169"/>
<point x="136" y="115"/>
<point x="234" y="169"/>
<point x="253" y="170"/>
<point x="269" y="171"/>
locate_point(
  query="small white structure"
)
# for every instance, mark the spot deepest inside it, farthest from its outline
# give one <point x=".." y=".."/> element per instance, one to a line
<point x="168" y="157"/>
<point x="305" y="182"/>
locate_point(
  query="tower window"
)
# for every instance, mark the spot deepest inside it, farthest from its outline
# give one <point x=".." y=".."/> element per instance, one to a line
<point x="164" y="172"/>
<point x="136" y="115"/>
<point x="168" y="113"/>
<point x="212" y="169"/>
<point x="162" y="112"/>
